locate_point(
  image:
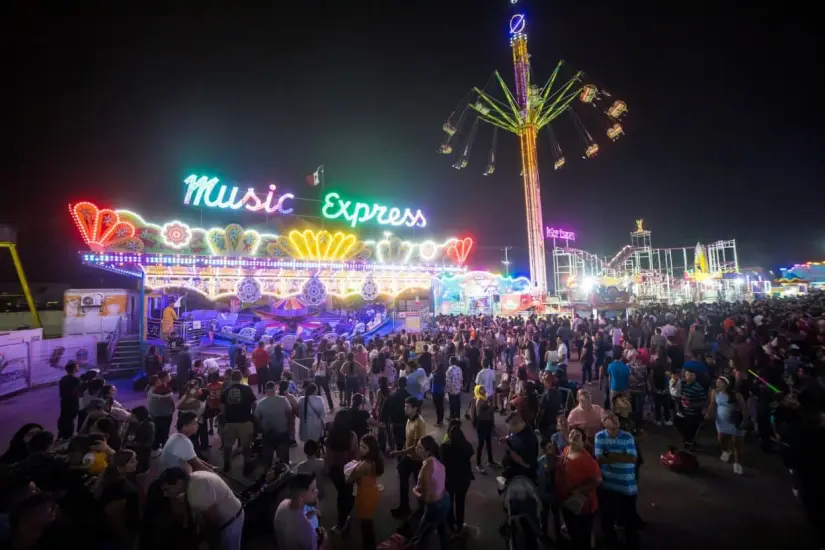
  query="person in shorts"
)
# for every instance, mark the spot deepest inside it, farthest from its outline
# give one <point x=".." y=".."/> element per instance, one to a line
<point x="237" y="402"/>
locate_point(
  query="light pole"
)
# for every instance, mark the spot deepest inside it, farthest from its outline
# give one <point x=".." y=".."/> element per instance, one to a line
<point x="506" y="260"/>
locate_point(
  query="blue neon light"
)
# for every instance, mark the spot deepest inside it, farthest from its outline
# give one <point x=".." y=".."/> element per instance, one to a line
<point x="517" y="23"/>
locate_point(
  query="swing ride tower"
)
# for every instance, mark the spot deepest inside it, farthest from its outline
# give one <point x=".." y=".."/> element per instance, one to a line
<point x="525" y="113"/>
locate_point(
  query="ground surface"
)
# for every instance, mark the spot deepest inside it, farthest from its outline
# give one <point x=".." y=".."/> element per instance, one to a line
<point x="709" y="510"/>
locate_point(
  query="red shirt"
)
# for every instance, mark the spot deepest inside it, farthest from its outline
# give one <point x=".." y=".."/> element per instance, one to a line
<point x="260" y="358"/>
<point x="214" y="399"/>
<point x="572" y="473"/>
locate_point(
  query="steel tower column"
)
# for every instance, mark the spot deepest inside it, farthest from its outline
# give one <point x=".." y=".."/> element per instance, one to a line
<point x="528" y="131"/>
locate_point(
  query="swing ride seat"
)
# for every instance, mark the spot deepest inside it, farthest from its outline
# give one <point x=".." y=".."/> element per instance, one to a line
<point x="445" y="149"/>
<point x="490" y="170"/>
<point x="448" y="128"/>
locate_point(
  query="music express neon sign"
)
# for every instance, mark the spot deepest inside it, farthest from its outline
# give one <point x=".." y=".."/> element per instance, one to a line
<point x="206" y="191"/>
<point x="359" y="212"/>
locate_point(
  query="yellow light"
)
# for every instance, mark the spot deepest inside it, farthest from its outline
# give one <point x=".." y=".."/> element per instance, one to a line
<point x="322" y="245"/>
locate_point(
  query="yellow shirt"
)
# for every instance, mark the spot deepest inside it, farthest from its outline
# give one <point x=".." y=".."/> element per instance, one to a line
<point x="415" y="430"/>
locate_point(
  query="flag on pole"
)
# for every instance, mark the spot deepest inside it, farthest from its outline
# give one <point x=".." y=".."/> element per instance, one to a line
<point x="317" y="177"/>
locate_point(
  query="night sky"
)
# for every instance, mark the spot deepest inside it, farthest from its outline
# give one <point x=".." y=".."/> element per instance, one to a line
<point x="117" y="107"/>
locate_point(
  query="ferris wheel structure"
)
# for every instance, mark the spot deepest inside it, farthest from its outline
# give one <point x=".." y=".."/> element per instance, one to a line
<point x="525" y="112"/>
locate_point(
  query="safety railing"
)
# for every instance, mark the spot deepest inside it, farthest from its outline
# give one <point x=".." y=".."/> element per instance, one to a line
<point x="111" y="347"/>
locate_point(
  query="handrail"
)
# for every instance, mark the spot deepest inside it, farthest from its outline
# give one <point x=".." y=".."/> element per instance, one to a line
<point x="111" y="347"/>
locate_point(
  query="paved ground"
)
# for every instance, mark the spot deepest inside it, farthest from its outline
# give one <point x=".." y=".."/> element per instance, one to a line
<point x="711" y="509"/>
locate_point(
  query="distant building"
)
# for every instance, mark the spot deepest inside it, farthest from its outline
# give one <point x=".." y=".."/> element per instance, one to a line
<point x="46" y="296"/>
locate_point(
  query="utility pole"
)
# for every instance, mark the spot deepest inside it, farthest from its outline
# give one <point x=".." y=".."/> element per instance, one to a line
<point x="506" y="260"/>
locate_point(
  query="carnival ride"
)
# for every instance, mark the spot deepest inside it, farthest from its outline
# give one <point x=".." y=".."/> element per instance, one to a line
<point x="525" y="113"/>
<point x="639" y="273"/>
<point x="280" y="284"/>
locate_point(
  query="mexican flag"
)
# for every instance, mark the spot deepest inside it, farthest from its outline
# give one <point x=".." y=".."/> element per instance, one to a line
<point x="317" y="177"/>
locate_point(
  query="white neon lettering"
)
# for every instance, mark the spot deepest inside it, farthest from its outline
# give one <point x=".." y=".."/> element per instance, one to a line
<point x="200" y="190"/>
<point x="359" y="212"/>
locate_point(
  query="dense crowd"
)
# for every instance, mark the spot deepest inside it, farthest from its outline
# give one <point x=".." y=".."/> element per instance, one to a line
<point x="117" y="478"/>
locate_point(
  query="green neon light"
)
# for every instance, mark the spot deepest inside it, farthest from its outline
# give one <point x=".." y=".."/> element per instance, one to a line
<point x="359" y="212"/>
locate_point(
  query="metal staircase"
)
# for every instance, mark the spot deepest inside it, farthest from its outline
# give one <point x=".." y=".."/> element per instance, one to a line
<point x="127" y="358"/>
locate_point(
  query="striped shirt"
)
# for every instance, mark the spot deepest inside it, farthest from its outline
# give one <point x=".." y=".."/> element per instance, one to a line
<point x="619" y="476"/>
<point x="694" y="398"/>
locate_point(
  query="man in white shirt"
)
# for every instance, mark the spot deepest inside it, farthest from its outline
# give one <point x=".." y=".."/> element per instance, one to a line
<point x="178" y="451"/>
<point x="486" y="378"/>
<point x="562" y="352"/>
<point x="213" y="501"/>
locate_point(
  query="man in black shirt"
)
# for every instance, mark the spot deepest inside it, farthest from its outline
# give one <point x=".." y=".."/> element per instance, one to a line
<point x="237" y="403"/>
<point x="425" y="360"/>
<point x="69" y="401"/>
<point x="184" y="369"/>
<point x="549" y="406"/>
<point x="474" y="360"/>
<point x="522" y="449"/>
<point x="392" y="413"/>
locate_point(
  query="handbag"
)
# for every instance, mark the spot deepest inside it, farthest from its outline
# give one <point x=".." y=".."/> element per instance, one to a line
<point x="575" y="503"/>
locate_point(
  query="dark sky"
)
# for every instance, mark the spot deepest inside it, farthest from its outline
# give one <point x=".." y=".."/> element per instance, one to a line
<point x="118" y="106"/>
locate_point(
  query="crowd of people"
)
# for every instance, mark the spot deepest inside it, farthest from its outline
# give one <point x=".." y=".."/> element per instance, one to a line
<point x="117" y="478"/>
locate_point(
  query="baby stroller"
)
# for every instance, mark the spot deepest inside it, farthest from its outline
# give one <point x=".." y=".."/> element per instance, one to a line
<point x="261" y="499"/>
<point x="523" y="511"/>
<point x="682" y="461"/>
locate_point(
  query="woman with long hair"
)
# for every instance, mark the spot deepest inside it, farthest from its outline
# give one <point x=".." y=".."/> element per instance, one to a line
<point x="577" y="477"/>
<point x="311" y="411"/>
<point x="365" y="477"/>
<point x="380" y="398"/>
<point x="730" y="410"/>
<point x="320" y="373"/>
<point x="457" y="457"/>
<point x="359" y="419"/>
<point x="341" y="448"/>
<point x="118" y="496"/>
<point x="152" y="362"/>
<point x="140" y="436"/>
<point x="482" y="418"/>
<point x="431" y="491"/>
<point x="18" y="446"/>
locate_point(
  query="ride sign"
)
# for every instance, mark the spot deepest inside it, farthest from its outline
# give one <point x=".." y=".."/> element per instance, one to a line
<point x="203" y="189"/>
<point x="359" y="212"/>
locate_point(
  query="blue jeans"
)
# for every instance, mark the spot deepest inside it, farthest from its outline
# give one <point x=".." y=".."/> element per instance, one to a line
<point x="435" y="518"/>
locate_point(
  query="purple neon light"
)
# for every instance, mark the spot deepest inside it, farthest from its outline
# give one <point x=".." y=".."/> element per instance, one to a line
<point x="553" y="233"/>
<point x="517" y="23"/>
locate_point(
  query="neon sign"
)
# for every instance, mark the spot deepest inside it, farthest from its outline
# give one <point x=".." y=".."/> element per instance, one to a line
<point x="207" y="191"/>
<point x="517" y="23"/>
<point x="552" y="233"/>
<point x="359" y="212"/>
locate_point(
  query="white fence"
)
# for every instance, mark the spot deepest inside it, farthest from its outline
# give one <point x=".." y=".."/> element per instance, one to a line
<point x="27" y="363"/>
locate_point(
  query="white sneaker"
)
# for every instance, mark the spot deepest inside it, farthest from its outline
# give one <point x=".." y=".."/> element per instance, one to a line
<point x="480" y="470"/>
<point x="737" y="469"/>
<point x="795" y="492"/>
<point x="658" y="422"/>
<point x="725" y="457"/>
<point x="668" y="422"/>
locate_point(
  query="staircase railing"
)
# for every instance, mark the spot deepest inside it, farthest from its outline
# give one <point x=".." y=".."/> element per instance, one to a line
<point x="113" y="340"/>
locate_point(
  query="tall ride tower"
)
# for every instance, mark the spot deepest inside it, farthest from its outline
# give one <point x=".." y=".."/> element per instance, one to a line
<point x="525" y="113"/>
<point x="528" y="99"/>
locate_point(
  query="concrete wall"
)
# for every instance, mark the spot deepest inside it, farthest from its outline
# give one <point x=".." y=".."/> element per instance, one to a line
<point x="52" y="321"/>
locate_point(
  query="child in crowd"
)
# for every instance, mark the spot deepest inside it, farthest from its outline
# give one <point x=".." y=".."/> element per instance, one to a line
<point x="213" y="402"/>
<point x="676" y="391"/>
<point x="313" y="464"/>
